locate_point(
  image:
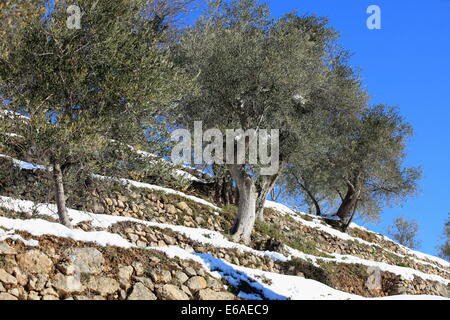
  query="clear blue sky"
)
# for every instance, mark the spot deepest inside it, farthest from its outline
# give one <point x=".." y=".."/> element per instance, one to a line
<point x="406" y="63"/>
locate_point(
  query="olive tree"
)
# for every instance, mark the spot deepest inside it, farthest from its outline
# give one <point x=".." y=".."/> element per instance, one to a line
<point x="254" y="72"/>
<point x="71" y="89"/>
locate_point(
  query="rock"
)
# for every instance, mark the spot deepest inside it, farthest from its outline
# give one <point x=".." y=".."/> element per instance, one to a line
<point x="171" y="209"/>
<point x="50" y="298"/>
<point x="49" y="292"/>
<point x="35" y="262"/>
<point x="67" y="284"/>
<point x="7" y="250"/>
<point x="181" y="277"/>
<point x="125" y="273"/>
<point x="7" y="296"/>
<point x="141" y="292"/>
<point x="196" y="283"/>
<point x="102" y="285"/>
<point x="171" y="292"/>
<point x="15" y="292"/>
<point x="33" y="295"/>
<point x="208" y="294"/>
<point x="161" y="276"/>
<point x="86" y="260"/>
<point x="190" y="272"/>
<point x="146" y="282"/>
<point x="184" y="207"/>
<point x="6" y="278"/>
<point x="67" y="269"/>
<point x="138" y="268"/>
<point x="2" y="288"/>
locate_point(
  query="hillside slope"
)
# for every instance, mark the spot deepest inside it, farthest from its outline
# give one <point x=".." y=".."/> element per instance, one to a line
<point x="135" y="240"/>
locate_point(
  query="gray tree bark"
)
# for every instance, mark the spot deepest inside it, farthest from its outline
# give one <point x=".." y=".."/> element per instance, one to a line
<point x="266" y="187"/>
<point x="60" y="195"/>
<point x="246" y="217"/>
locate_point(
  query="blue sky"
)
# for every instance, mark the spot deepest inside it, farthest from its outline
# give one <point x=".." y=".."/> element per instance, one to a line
<point x="406" y="63"/>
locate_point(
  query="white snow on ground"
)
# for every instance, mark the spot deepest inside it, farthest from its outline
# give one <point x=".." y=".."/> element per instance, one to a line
<point x="279" y="286"/>
<point x="273" y="286"/>
<point x="29" y="166"/>
<point x="38" y="227"/>
<point x="177" y="173"/>
<point x="142" y="185"/>
<point x="344" y="236"/>
<point x="203" y="236"/>
<point x="22" y="164"/>
<point x="10" y="235"/>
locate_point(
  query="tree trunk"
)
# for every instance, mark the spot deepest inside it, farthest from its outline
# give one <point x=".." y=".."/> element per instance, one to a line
<point x="349" y="203"/>
<point x="266" y="187"/>
<point x="310" y="195"/>
<point x="246" y="216"/>
<point x="59" y="195"/>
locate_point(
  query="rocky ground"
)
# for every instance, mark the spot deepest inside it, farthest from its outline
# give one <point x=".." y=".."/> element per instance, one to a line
<point x="148" y="223"/>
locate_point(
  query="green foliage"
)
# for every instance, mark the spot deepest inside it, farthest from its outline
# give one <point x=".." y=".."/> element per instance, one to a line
<point x="81" y="88"/>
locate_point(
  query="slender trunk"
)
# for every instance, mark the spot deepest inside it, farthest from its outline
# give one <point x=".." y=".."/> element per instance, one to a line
<point x="266" y="187"/>
<point x="311" y="196"/>
<point x="59" y="195"/>
<point x="246" y="216"/>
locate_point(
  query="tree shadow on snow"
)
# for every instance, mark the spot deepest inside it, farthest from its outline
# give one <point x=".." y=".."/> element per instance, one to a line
<point x="243" y="285"/>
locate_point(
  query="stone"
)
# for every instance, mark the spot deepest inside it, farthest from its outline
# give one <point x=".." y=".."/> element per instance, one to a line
<point x="190" y="272"/>
<point x="146" y="282"/>
<point x="126" y="272"/>
<point x="35" y="262"/>
<point x="181" y="277"/>
<point x="33" y="295"/>
<point x="141" y="292"/>
<point x="37" y="282"/>
<point x="196" y="283"/>
<point x="49" y="297"/>
<point x="67" y="284"/>
<point x="49" y="292"/>
<point x="6" y="278"/>
<point x="170" y="208"/>
<point x="184" y="207"/>
<point x="7" y="296"/>
<point x="7" y="250"/>
<point x="161" y="276"/>
<point x="171" y="292"/>
<point x="67" y="269"/>
<point x="138" y="268"/>
<point x="15" y="292"/>
<point x="208" y="294"/>
<point x="86" y="260"/>
<point x="103" y="285"/>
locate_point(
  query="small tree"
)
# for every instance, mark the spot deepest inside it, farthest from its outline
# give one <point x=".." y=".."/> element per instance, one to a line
<point x="444" y="250"/>
<point x="79" y="88"/>
<point x="405" y="232"/>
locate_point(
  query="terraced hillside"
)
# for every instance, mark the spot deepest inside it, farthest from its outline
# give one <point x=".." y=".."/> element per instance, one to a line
<point x="135" y="240"/>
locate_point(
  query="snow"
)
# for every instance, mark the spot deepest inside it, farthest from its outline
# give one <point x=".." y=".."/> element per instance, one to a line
<point x="205" y="236"/>
<point x="38" y="227"/>
<point x="4" y="235"/>
<point x="316" y="223"/>
<point x="142" y="185"/>
<point x="278" y="286"/>
<point x="29" y="166"/>
<point x="22" y="164"/>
